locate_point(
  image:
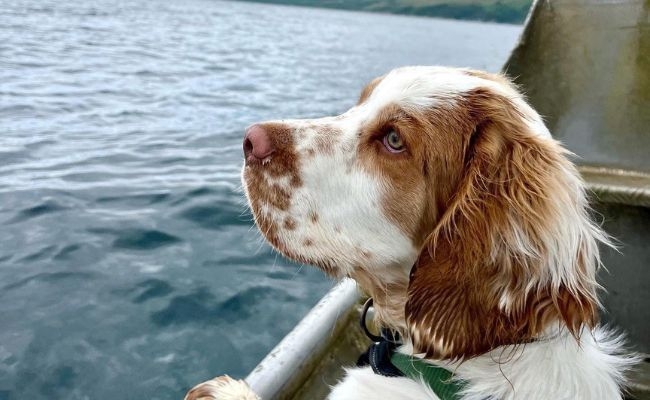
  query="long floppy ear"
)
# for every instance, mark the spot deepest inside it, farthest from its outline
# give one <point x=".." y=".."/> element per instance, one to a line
<point x="515" y="249"/>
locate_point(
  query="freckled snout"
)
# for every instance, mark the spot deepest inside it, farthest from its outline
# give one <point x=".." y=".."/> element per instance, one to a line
<point x="257" y="144"/>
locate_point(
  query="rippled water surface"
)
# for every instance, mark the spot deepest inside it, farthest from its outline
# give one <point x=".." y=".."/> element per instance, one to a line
<point x="129" y="267"/>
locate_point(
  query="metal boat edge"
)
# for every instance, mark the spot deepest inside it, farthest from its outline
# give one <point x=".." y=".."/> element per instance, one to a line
<point x="284" y="371"/>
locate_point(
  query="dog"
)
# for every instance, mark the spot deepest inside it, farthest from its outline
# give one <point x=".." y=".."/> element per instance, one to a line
<point x="444" y="196"/>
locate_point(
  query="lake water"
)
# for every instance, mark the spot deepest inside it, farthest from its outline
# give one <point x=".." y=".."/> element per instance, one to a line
<point x="129" y="266"/>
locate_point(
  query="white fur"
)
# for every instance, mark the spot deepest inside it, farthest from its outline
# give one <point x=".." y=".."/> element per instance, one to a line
<point x="222" y="388"/>
<point x="345" y="196"/>
<point x="558" y="367"/>
<point x="363" y="383"/>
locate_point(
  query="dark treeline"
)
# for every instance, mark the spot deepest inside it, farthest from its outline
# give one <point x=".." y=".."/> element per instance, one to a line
<point x="510" y="11"/>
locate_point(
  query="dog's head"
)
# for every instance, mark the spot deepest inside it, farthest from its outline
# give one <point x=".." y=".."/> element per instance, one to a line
<point x="443" y="193"/>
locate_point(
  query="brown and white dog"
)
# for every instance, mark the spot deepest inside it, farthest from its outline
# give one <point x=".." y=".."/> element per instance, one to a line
<point x="444" y="196"/>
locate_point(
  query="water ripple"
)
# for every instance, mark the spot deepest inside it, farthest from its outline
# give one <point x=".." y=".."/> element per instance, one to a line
<point x="49" y="206"/>
<point x="128" y="261"/>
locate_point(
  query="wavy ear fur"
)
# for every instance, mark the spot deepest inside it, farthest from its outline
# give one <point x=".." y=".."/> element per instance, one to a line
<point x="514" y="251"/>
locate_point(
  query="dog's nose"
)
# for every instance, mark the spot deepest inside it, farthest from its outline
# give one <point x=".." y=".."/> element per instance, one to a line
<point x="257" y="144"/>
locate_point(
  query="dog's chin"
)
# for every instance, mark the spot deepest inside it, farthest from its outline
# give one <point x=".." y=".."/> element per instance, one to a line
<point x="327" y="265"/>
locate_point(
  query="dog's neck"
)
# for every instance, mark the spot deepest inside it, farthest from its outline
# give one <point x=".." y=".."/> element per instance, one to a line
<point x="389" y="294"/>
<point x="582" y="368"/>
<point x="389" y="291"/>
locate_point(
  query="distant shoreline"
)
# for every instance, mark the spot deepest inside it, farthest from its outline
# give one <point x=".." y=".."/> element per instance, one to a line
<point x="502" y="11"/>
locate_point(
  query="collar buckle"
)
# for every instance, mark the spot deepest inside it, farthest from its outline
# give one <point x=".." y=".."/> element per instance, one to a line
<point x="386" y="361"/>
<point x="379" y="354"/>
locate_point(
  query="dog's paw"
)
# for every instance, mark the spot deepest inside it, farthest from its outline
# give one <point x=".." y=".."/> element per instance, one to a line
<point x="221" y="388"/>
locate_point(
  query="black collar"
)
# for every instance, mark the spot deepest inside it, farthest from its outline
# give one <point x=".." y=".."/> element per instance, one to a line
<point x="386" y="361"/>
<point x="378" y="355"/>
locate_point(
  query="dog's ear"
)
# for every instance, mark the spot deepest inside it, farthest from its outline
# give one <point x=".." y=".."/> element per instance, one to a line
<point x="514" y="250"/>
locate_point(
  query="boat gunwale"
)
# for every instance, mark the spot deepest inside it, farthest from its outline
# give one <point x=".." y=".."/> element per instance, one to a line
<point x="283" y="368"/>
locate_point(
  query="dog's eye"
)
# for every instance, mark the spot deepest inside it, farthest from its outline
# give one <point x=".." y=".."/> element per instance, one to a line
<point x="393" y="142"/>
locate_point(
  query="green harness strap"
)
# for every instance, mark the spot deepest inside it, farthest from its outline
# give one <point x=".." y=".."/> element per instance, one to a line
<point x="439" y="379"/>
